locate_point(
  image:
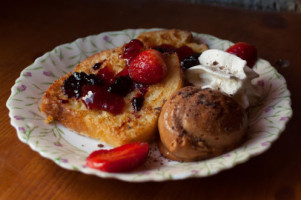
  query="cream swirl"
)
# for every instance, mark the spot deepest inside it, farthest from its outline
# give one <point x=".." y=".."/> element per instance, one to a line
<point x="227" y="73"/>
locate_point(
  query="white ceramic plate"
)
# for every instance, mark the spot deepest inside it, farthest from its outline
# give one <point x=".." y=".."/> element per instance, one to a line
<point x="69" y="150"/>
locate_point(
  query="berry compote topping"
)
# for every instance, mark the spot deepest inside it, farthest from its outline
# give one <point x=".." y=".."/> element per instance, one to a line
<point x="132" y="49"/>
<point x="165" y="48"/>
<point x="73" y="84"/>
<point x="121" y="86"/>
<point x="97" y="65"/>
<point x="190" y="61"/>
<point x="97" y="97"/>
<point x="184" y="52"/>
<point x="106" y="74"/>
<point x="104" y="91"/>
<point x="137" y="101"/>
<point x="187" y="56"/>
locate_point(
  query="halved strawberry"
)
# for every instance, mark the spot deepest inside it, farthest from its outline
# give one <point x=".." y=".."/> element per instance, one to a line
<point x="120" y="159"/>
<point x="245" y="51"/>
<point x="148" y="67"/>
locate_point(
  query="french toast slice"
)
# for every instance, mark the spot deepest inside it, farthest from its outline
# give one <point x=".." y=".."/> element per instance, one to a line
<point x="129" y="126"/>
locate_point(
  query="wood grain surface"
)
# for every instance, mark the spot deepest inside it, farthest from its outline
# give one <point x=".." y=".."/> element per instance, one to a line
<point x="28" y="29"/>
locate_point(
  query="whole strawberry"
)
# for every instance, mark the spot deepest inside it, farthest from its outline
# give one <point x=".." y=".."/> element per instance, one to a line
<point x="148" y="67"/>
<point x="245" y="51"/>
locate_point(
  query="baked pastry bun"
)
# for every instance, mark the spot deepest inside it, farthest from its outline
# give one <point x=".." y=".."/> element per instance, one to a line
<point x="196" y="124"/>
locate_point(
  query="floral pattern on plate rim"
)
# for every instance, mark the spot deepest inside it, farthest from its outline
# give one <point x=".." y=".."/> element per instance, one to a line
<point x="69" y="150"/>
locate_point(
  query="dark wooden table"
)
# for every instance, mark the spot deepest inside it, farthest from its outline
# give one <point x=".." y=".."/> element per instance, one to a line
<point x="29" y="29"/>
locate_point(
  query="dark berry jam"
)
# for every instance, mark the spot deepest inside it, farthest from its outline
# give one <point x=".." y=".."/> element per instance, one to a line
<point x="72" y="87"/>
<point x="132" y="49"/>
<point x="121" y="86"/>
<point x="137" y="102"/>
<point x="97" y="97"/>
<point x="97" y="65"/>
<point x="190" y="61"/>
<point x="73" y="84"/>
<point x="106" y="74"/>
<point x="104" y="91"/>
<point x="184" y="52"/>
<point x="165" y="48"/>
<point x="93" y="79"/>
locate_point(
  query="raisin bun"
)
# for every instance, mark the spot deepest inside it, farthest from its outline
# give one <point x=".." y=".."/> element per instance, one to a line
<point x="196" y="124"/>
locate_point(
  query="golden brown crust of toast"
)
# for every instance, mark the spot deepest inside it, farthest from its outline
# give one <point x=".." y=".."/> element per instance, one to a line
<point x="174" y="37"/>
<point x="119" y="129"/>
<point x="129" y="126"/>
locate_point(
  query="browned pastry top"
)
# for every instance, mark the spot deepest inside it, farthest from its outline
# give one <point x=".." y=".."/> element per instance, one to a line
<point x="196" y="124"/>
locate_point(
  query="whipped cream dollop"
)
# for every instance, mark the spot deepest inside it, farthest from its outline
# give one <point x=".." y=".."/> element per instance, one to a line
<point x="227" y="73"/>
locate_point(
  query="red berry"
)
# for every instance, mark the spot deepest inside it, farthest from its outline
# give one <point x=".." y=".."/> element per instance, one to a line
<point x="245" y="51"/>
<point x="132" y="49"/>
<point x="165" y="48"/>
<point x="148" y="67"/>
<point x="184" y="52"/>
<point x="106" y="74"/>
<point x="101" y="99"/>
<point x="120" y="159"/>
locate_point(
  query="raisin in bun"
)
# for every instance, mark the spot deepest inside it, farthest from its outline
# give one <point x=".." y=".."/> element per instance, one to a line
<point x="196" y="124"/>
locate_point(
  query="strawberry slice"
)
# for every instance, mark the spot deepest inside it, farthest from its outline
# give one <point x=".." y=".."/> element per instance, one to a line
<point x="148" y="67"/>
<point x="245" y="51"/>
<point x="120" y="159"/>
